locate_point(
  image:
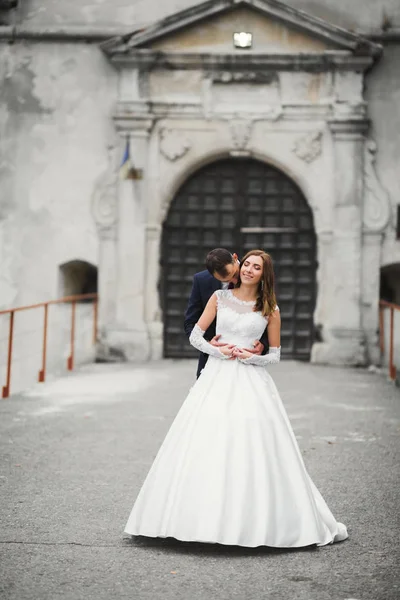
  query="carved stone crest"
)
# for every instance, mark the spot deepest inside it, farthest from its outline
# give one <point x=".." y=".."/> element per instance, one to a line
<point x="309" y="146"/>
<point x="376" y="200"/>
<point x="173" y="143"/>
<point x="240" y="132"/>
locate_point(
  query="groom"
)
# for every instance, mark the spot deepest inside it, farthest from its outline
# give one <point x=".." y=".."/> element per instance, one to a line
<point x="222" y="273"/>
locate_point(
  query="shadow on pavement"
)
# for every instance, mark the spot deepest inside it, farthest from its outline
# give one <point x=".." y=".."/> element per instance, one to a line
<point x="172" y="545"/>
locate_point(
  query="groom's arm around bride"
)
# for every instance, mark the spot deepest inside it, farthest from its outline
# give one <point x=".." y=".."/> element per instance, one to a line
<point x="222" y="270"/>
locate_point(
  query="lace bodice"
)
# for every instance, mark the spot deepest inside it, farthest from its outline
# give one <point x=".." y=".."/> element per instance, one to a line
<point x="237" y="323"/>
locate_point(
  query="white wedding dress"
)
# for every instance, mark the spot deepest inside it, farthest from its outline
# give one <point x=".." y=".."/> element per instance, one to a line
<point x="229" y="470"/>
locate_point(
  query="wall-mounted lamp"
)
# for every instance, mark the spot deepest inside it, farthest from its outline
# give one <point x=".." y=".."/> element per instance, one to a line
<point x="242" y="39"/>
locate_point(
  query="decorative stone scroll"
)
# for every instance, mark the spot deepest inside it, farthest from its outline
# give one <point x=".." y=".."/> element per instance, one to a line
<point x="173" y="144"/>
<point x="376" y="214"/>
<point x="309" y="147"/>
<point x="104" y="204"/>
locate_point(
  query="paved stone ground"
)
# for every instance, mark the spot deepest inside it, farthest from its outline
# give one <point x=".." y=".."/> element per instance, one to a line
<point x="75" y="451"/>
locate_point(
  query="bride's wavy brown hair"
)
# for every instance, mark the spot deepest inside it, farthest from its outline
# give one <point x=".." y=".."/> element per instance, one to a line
<point x="266" y="300"/>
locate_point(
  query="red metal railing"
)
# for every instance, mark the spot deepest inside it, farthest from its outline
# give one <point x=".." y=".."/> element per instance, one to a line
<point x="45" y="305"/>
<point x="383" y="305"/>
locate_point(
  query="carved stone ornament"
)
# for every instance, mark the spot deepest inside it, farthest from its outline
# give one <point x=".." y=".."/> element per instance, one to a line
<point x="104" y="203"/>
<point x="376" y="214"/>
<point x="240" y="132"/>
<point x="173" y="144"/>
<point x="309" y="146"/>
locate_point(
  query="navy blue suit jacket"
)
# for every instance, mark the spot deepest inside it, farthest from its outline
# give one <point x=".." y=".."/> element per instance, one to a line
<point x="204" y="285"/>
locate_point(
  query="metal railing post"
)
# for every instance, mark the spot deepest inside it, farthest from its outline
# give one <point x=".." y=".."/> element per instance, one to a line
<point x="42" y="372"/>
<point x="70" y="361"/>
<point x="6" y="388"/>
<point x="392" y="368"/>
<point x="95" y="320"/>
<point x="392" y="307"/>
<point x="381" y="330"/>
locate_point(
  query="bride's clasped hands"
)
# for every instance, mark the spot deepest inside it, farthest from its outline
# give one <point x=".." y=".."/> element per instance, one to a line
<point x="233" y="352"/>
<point x="240" y="353"/>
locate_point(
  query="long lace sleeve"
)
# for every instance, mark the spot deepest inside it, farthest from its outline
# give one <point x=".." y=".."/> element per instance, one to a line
<point x="273" y="356"/>
<point x="197" y="340"/>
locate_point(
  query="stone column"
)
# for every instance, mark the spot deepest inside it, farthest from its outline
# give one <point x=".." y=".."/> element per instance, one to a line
<point x="130" y="333"/>
<point x="343" y="338"/>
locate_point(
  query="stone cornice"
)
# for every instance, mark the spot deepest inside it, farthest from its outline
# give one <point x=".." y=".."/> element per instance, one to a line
<point x="140" y="114"/>
<point x="348" y="127"/>
<point x="136" y="116"/>
<point x="61" y="33"/>
<point x="113" y="35"/>
<point x="389" y="36"/>
<point x="149" y="60"/>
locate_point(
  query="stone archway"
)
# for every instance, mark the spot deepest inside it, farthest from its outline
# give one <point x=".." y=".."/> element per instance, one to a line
<point x="240" y="203"/>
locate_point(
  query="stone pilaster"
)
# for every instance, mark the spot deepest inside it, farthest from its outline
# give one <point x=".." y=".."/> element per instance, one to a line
<point x="372" y="244"/>
<point x="324" y="240"/>
<point x="105" y="214"/>
<point x="130" y="333"/>
<point x="152" y="309"/>
<point x="343" y="337"/>
<point x="376" y="217"/>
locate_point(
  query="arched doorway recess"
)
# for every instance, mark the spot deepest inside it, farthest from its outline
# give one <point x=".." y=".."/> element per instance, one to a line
<point x="240" y="204"/>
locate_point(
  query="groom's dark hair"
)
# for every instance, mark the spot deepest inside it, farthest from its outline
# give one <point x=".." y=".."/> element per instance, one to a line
<point x="217" y="261"/>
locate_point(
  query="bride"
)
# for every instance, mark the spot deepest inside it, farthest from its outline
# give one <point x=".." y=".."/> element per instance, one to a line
<point x="229" y="470"/>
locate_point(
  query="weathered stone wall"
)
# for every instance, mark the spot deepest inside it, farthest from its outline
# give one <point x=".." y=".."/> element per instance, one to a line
<point x="56" y="130"/>
<point x="56" y="138"/>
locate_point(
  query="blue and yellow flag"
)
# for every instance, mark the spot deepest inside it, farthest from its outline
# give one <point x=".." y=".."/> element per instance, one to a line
<point x="126" y="164"/>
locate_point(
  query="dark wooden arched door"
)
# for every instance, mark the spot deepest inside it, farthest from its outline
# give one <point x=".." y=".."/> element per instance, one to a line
<point x="240" y="204"/>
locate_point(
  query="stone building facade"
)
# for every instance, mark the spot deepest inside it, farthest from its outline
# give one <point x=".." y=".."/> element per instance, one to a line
<point x="290" y="144"/>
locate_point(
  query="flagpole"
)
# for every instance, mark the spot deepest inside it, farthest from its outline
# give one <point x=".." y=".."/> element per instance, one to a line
<point x="127" y="168"/>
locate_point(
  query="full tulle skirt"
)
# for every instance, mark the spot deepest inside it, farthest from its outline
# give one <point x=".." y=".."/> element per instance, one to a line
<point x="230" y="470"/>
